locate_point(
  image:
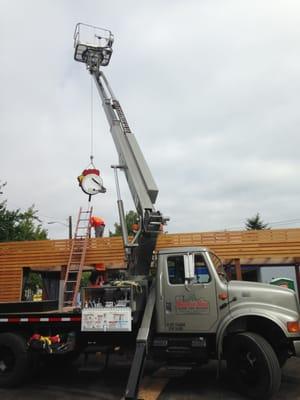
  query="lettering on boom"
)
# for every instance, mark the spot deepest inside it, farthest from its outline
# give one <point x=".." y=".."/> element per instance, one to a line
<point x="185" y="305"/>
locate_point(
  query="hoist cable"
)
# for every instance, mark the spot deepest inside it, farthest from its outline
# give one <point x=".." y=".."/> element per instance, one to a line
<point x="92" y="122"/>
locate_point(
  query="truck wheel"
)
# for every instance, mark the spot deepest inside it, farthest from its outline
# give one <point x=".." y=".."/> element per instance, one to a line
<point x="253" y="365"/>
<point x="282" y="356"/>
<point x="15" y="361"/>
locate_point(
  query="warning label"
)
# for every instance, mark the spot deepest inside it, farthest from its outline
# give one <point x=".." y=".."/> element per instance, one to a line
<point x="106" y="319"/>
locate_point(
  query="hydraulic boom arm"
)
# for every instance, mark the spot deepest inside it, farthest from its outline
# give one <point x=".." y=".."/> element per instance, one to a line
<point x="131" y="160"/>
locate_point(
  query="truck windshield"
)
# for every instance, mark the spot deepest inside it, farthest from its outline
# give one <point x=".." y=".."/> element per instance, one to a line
<point x="218" y="266"/>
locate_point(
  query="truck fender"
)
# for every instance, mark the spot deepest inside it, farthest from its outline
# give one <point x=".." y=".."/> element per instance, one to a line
<point x="234" y="317"/>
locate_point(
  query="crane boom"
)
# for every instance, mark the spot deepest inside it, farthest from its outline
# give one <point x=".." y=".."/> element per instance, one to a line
<point x="96" y="52"/>
<point x="140" y="181"/>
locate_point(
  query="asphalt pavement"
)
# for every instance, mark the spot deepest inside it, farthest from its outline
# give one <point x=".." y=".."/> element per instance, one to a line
<point x="159" y="383"/>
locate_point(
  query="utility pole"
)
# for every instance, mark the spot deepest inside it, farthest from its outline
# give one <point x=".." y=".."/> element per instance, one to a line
<point x="70" y="227"/>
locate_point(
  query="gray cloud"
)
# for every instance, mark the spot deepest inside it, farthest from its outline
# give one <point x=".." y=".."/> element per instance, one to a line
<point x="210" y="88"/>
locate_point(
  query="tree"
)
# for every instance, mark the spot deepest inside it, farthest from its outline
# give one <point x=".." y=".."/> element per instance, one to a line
<point x="255" y="223"/>
<point x="16" y="225"/>
<point x="131" y="218"/>
<point x="2" y="184"/>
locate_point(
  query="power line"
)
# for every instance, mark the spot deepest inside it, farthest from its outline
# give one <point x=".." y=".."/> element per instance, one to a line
<point x="282" y="222"/>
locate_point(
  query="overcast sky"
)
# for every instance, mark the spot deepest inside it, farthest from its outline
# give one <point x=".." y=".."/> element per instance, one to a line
<point x="211" y="88"/>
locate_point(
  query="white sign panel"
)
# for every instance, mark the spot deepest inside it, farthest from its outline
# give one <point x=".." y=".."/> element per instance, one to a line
<point x="112" y="319"/>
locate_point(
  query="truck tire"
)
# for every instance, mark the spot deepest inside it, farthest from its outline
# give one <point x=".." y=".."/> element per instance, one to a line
<point x="253" y="365"/>
<point x="15" y="360"/>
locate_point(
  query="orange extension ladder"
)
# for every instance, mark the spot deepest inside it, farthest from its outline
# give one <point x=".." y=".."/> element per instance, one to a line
<point x="77" y="257"/>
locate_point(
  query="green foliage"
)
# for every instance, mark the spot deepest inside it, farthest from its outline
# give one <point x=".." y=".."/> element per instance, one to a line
<point x="16" y="225"/>
<point x="255" y="223"/>
<point x="85" y="279"/>
<point x="34" y="281"/>
<point x="2" y="184"/>
<point x="131" y="218"/>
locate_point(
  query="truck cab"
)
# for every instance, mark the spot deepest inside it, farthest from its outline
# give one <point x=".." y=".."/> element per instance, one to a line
<point x="194" y="297"/>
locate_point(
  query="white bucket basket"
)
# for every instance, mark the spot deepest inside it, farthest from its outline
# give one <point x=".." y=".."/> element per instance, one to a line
<point x="93" y="45"/>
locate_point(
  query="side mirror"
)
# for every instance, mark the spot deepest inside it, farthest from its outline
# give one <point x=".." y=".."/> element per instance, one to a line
<point x="189" y="266"/>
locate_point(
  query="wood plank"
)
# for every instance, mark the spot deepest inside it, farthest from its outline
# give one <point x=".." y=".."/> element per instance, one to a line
<point x="152" y="386"/>
<point x="251" y="247"/>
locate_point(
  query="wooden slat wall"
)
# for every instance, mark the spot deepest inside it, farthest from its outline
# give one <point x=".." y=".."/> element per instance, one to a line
<point x="251" y="247"/>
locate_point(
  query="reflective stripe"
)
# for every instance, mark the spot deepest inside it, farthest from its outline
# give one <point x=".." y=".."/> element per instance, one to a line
<point x="42" y="319"/>
<point x="34" y="319"/>
<point x="13" y="320"/>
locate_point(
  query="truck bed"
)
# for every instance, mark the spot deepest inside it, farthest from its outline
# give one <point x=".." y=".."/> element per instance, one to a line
<point x="21" y="307"/>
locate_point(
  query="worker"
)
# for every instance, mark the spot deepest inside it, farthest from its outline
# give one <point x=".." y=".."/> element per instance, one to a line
<point x="98" y="224"/>
<point x="97" y="276"/>
<point x="95" y="280"/>
<point x="135" y="228"/>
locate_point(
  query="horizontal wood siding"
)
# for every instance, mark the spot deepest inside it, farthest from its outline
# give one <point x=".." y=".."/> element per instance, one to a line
<point x="251" y="247"/>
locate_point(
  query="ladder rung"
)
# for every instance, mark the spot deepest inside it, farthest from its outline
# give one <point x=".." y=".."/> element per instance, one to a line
<point x="77" y="255"/>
